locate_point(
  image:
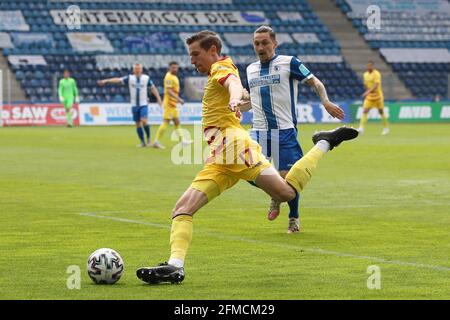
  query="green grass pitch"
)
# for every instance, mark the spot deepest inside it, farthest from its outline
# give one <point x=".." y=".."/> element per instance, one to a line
<point x="378" y="200"/>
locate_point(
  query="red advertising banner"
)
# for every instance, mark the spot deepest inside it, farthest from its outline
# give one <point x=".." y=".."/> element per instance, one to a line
<point x="39" y="114"/>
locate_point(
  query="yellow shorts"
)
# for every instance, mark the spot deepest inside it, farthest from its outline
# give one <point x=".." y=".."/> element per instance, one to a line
<point x="239" y="158"/>
<point x="368" y="104"/>
<point x="170" y="113"/>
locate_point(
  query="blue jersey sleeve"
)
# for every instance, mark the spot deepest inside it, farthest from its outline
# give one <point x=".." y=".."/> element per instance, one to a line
<point x="299" y="71"/>
<point x="125" y="79"/>
<point x="245" y="84"/>
<point x="150" y="83"/>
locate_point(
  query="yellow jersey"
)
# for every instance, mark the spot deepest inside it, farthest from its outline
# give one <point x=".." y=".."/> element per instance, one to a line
<point x="216" y="97"/>
<point x="171" y="81"/>
<point x="370" y="78"/>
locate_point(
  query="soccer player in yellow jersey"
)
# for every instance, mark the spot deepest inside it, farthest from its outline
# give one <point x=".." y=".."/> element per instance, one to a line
<point x="170" y="101"/>
<point x="373" y="97"/>
<point x="234" y="155"/>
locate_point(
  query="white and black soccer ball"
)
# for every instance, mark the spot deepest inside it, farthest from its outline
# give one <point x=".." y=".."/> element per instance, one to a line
<point x="105" y="266"/>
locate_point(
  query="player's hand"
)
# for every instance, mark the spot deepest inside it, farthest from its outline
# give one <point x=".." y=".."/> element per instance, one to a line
<point x="101" y="82"/>
<point x="245" y="95"/>
<point x="334" y="110"/>
<point x="181" y="100"/>
<point x="61" y="98"/>
<point x="77" y="99"/>
<point x="234" y="107"/>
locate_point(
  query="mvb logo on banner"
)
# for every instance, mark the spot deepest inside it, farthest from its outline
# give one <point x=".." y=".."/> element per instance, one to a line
<point x="408" y="112"/>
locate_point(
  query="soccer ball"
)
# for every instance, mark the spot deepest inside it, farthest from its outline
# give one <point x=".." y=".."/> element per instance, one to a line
<point x="105" y="266"/>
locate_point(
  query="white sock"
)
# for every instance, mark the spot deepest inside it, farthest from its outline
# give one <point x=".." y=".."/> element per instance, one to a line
<point x="323" y="145"/>
<point x="176" y="262"/>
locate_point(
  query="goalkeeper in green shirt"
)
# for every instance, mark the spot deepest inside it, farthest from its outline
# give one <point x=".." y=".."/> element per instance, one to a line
<point x="68" y="93"/>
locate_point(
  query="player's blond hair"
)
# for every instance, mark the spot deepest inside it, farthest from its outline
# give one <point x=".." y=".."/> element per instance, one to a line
<point x="267" y="29"/>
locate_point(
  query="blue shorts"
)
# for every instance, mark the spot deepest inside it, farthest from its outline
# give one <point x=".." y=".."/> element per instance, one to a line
<point x="280" y="145"/>
<point x="139" y="113"/>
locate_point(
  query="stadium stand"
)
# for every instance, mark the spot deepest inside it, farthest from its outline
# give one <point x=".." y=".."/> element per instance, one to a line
<point x="43" y="46"/>
<point x="414" y="41"/>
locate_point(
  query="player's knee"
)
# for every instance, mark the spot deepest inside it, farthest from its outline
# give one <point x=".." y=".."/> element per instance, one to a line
<point x="285" y="194"/>
<point x="184" y="208"/>
<point x="289" y="194"/>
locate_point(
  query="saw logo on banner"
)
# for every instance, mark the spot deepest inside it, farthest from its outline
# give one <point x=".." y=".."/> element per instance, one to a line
<point x="37" y="114"/>
<point x="159" y="17"/>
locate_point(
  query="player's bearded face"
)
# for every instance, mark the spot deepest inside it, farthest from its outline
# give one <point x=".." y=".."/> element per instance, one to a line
<point x="174" y="69"/>
<point x="264" y="46"/>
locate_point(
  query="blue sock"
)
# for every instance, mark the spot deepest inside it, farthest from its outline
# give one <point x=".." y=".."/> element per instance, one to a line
<point x="293" y="206"/>
<point x="147" y="132"/>
<point x="140" y="134"/>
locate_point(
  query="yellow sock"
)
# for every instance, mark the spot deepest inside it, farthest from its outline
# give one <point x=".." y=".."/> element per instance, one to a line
<point x="180" y="236"/>
<point x="301" y="172"/>
<point x="160" y="131"/>
<point x="180" y="135"/>
<point x="363" y="121"/>
<point x="384" y="120"/>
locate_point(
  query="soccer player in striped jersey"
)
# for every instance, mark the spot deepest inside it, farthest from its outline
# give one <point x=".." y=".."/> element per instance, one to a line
<point x="273" y="85"/>
<point x="233" y="156"/>
<point x="138" y="84"/>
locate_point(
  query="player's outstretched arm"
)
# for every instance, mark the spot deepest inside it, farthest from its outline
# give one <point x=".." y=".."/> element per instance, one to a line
<point x="110" y="81"/>
<point x="237" y="95"/>
<point x="155" y="92"/>
<point x="331" y="108"/>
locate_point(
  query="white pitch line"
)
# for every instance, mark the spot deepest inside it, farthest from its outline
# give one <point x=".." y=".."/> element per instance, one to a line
<point x="278" y="245"/>
<point x="151" y="224"/>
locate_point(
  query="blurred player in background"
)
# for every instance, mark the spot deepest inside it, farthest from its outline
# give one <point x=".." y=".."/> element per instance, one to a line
<point x="170" y="101"/>
<point x="273" y="86"/>
<point x="373" y="97"/>
<point x="68" y="94"/>
<point x="138" y="84"/>
<point x="221" y="103"/>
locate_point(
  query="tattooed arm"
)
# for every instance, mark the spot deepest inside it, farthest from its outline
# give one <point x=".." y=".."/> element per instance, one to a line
<point x="331" y="108"/>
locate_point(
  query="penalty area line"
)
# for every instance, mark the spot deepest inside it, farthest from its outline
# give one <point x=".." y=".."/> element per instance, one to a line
<point x="278" y="245"/>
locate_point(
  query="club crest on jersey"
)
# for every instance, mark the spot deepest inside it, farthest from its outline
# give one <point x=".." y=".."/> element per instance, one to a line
<point x="277" y="68"/>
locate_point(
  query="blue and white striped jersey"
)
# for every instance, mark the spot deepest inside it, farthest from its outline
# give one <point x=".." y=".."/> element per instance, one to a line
<point x="138" y="89"/>
<point x="273" y="91"/>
